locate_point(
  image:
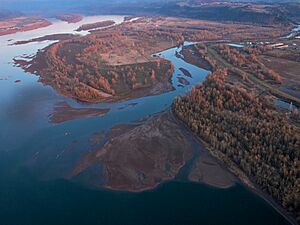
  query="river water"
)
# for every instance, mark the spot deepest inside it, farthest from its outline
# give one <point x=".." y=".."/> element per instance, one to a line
<point x="294" y="31"/>
<point x="26" y="132"/>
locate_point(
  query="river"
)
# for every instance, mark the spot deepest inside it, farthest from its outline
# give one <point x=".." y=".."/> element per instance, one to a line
<point x="26" y="131"/>
<point x="294" y="32"/>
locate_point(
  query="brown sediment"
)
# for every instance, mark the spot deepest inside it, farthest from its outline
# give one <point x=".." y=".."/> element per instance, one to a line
<point x="64" y="112"/>
<point x="183" y="81"/>
<point x="70" y="18"/>
<point x="140" y="157"/>
<point x="20" y="24"/>
<point x="126" y="106"/>
<point x="91" y="26"/>
<point x="96" y="138"/>
<point x="207" y="170"/>
<point x="185" y="72"/>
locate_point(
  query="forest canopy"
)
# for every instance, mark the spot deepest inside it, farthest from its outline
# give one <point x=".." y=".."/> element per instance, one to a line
<point x="245" y="128"/>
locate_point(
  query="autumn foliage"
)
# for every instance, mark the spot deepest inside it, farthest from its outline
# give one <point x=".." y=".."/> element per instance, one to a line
<point x="248" y="60"/>
<point x="244" y="128"/>
<point x="91" y="26"/>
<point x="78" y="68"/>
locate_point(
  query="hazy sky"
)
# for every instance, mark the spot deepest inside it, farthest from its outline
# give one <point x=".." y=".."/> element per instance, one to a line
<point x="48" y="6"/>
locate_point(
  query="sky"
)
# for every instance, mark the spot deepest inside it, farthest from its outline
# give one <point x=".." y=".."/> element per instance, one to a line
<point x="49" y="6"/>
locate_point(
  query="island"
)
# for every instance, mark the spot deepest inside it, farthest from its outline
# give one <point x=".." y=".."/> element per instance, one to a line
<point x="142" y="156"/>
<point x="22" y="23"/>
<point x="96" y="25"/>
<point x="70" y="18"/>
<point x="64" y="112"/>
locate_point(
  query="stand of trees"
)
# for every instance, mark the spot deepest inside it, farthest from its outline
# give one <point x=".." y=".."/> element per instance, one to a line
<point x="248" y="59"/>
<point x="91" y="26"/>
<point x="245" y="128"/>
<point x="77" y="69"/>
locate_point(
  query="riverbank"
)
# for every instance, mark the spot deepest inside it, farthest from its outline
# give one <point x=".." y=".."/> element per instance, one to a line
<point x="238" y="173"/>
<point x="226" y="122"/>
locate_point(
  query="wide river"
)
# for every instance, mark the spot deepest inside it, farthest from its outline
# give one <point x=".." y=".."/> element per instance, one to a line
<point x="25" y="131"/>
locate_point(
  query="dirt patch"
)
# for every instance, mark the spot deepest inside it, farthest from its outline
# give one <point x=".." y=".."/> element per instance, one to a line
<point x="183" y="81"/>
<point x="288" y="69"/>
<point x="138" y="157"/>
<point x="185" y="72"/>
<point x="141" y="157"/>
<point x="207" y="170"/>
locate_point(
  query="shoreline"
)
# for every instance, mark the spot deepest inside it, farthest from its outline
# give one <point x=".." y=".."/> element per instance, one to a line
<point x="240" y="180"/>
<point x="156" y="88"/>
<point x="250" y="186"/>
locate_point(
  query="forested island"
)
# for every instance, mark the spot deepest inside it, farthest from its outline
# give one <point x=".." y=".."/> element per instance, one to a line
<point x="70" y="18"/>
<point x="91" y="26"/>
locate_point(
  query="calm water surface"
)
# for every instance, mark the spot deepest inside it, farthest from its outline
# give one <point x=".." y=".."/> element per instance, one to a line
<point x="26" y="133"/>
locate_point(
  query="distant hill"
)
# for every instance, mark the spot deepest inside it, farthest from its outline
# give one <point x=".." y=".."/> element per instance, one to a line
<point x="249" y="11"/>
<point x="6" y="14"/>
